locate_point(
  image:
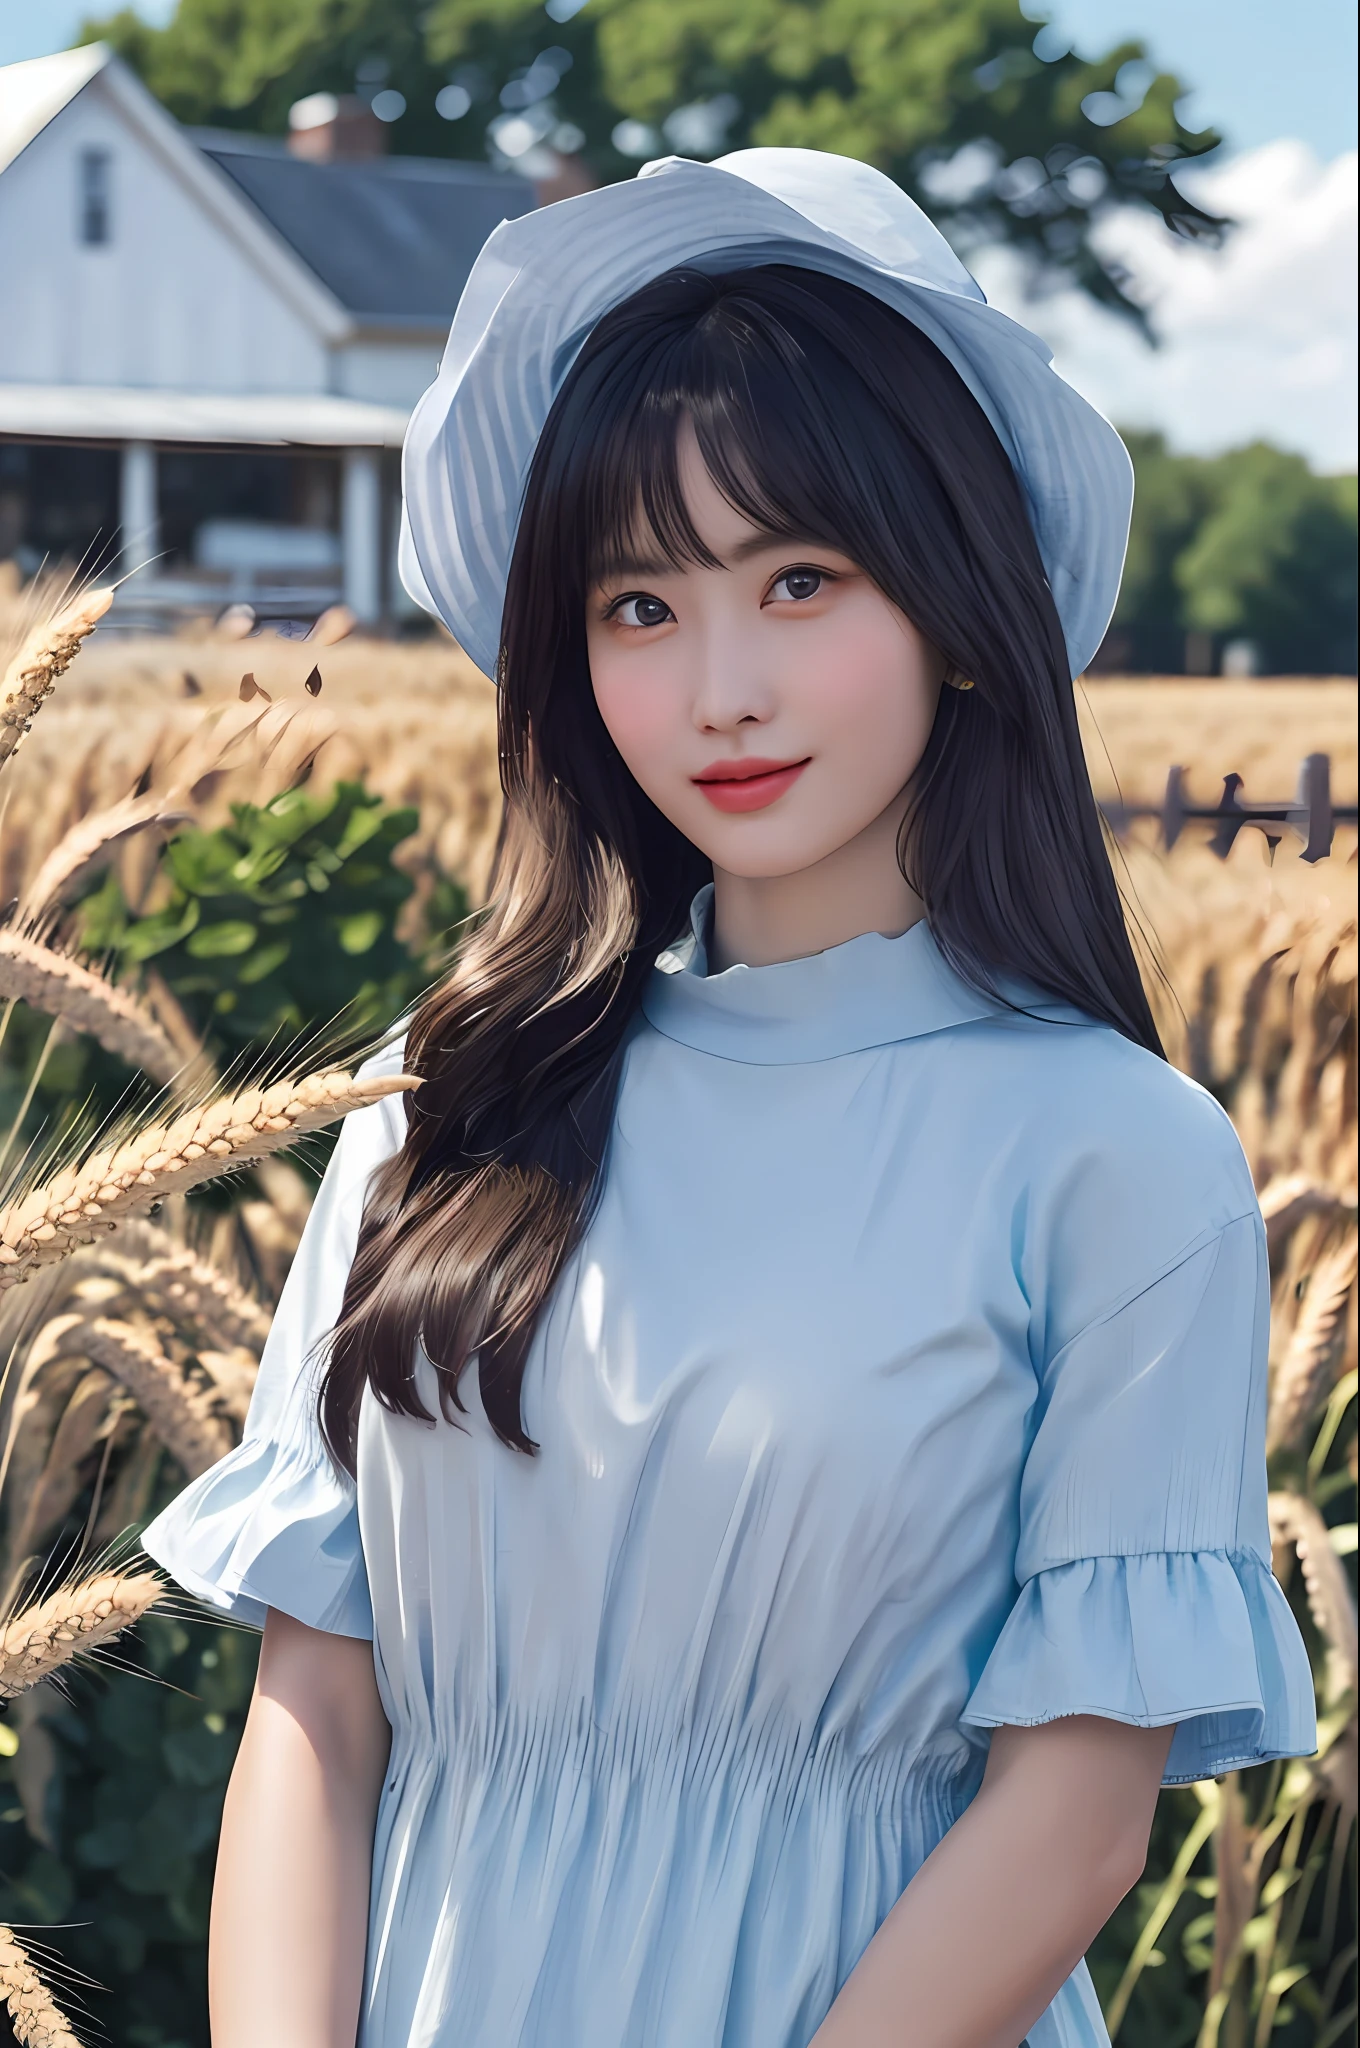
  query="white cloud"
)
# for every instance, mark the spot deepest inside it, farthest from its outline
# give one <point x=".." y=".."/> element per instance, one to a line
<point x="1258" y="338"/>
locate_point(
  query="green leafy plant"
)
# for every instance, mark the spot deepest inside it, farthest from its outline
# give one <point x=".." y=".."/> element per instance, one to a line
<point x="280" y="921"/>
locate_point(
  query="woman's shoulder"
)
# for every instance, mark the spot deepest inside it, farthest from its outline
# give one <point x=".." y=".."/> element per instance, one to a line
<point x="1096" y="1085"/>
<point x="1128" y="1164"/>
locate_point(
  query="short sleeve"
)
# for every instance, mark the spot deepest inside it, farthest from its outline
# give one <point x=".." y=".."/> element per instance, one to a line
<point x="1145" y="1588"/>
<point x="274" y="1523"/>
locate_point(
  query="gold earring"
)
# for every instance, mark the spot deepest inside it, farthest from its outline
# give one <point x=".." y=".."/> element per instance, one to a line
<point x="961" y="682"/>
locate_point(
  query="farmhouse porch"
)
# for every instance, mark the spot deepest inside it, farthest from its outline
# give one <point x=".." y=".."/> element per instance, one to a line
<point x="284" y="502"/>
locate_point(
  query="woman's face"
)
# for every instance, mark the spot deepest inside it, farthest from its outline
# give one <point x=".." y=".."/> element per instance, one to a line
<point x="773" y="708"/>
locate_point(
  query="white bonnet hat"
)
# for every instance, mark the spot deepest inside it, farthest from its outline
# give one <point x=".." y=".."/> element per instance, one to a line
<point x="543" y="281"/>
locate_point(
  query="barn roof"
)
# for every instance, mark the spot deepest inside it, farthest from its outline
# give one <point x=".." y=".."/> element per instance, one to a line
<point x="393" y="238"/>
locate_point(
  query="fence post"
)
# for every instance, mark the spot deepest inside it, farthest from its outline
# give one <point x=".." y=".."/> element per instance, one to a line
<point x="1315" y="801"/>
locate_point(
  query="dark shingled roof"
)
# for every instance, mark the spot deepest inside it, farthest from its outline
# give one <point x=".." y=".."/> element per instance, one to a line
<point x="393" y="238"/>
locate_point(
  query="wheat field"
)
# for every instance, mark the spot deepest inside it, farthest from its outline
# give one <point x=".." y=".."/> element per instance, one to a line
<point x="131" y="1337"/>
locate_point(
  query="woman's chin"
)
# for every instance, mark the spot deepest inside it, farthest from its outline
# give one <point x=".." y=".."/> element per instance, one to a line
<point x="763" y="860"/>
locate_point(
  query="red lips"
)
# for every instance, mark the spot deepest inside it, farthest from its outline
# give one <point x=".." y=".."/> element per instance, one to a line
<point x="748" y="785"/>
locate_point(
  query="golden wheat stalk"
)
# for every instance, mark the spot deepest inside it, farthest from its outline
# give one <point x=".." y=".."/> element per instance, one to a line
<point x="1300" y="1379"/>
<point x="76" y="852"/>
<point x="34" y="2014"/>
<point x="59" y="986"/>
<point x="69" y="1623"/>
<point x="200" y="1144"/>
<point x="44" y="657"/>
<point x="1288" y="1199"/>
<point x="184" y="1416"/>
<point x="173" y="1281"/>
<point x="89" y="1417"/>
<point x="1295" y="1521"/>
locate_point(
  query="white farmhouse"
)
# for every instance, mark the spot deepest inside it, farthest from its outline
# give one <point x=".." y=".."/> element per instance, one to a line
<point x="210" y="342"/>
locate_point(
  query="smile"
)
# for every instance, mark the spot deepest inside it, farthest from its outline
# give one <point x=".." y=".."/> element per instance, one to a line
<point x="748" y="785"/>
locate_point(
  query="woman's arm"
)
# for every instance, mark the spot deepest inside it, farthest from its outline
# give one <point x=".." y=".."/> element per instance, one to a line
<point x="998" y="1917"/>
<point x="290" y="1900"/>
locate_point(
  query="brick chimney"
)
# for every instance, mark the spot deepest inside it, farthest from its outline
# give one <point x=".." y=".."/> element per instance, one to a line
<point x="326" y="129"/>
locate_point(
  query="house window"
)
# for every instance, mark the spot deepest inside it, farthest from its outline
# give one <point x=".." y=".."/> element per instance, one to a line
<point x="95" y="222"/>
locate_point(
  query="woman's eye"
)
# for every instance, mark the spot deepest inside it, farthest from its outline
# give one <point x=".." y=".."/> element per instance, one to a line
<point x="641" y="611"/>
<point x="797" y="583"/>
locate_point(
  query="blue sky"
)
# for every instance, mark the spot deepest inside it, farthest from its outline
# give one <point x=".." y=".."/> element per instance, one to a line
<point x="1261" y="68"/>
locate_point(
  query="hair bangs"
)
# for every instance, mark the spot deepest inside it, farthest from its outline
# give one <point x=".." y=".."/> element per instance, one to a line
<point x="734" y="380"/>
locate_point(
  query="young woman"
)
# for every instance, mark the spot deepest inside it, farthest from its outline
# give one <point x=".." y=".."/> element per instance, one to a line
<point x="785" y="1398"/>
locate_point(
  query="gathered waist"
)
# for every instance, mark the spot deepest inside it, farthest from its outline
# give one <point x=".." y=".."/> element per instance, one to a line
<point x="648" y="1756"/>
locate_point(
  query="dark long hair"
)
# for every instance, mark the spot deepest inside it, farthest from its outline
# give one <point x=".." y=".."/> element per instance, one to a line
<point x="819" y="412"/>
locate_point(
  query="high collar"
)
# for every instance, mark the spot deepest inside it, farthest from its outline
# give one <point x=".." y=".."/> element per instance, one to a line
<point x="868" y="991"/>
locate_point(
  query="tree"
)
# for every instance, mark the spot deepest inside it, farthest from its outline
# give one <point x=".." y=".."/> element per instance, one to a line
<point x="1250" y="545"/>
<point x="242" y="63"/>
<point x="988" y="119"/>
<point x="1173" y="496"/>
<point x="1274" y="563"/>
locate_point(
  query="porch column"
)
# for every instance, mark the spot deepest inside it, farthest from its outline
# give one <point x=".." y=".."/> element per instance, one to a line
<point x="361" y="532"/>
<point x="138" y="508"/>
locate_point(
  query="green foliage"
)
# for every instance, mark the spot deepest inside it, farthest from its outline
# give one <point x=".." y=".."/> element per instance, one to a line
<point x="998" y="129"/>
<point x="124" y="1782"/>
<point x="1275" y="562"/>
<point x="1249" y="545"/>
<point x="242" y="63"/>
<point x="280" y="921"/>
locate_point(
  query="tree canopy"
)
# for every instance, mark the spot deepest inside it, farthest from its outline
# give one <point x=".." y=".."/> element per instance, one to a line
<point x="982" y="113"/>
<point x="1250" y="545"/>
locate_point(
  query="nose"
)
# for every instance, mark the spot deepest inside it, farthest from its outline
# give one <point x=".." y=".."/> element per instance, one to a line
<point x="732" y="688"/>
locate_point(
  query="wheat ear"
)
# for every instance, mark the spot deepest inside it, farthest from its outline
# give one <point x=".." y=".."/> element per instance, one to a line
<point x="1299" y="1380"/>
<point x="218" y="1137"/>
<point x="45" y="655"/>
<point x="184" y="1416"/>
<point x="78" y="849"/>
<point x="1288" y="1199"/>
<point x="1295" y="1521"/>
<point x="34" y="2014"/>
<point x="70" y="1622"/>
<point x="54" y="983"/>
<point x="174" y="1281"/>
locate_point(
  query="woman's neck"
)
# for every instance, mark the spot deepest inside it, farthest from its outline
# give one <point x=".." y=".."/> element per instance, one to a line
<point x="761" y="919"/>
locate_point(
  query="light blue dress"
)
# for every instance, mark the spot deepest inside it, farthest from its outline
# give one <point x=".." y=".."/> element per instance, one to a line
<point x="909" y="1381"/>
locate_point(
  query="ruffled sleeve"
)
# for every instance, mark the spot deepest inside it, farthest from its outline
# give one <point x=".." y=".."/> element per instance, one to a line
<point x="274" y="1523"/>
<point x="1143" y="1565"/>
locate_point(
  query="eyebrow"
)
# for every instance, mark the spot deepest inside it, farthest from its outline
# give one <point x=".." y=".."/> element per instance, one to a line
<point x="629" y="564"/>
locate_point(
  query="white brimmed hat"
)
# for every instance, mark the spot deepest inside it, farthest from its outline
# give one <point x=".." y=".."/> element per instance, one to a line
<point x="542" y="282"/>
